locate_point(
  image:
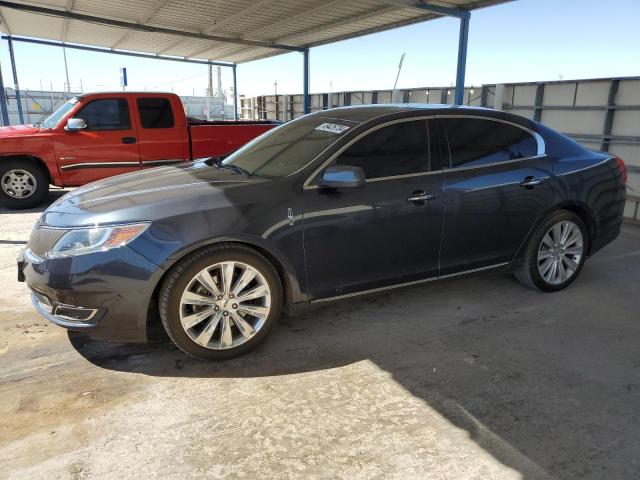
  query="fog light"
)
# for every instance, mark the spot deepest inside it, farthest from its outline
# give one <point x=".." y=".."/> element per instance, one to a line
<point x="74" y="314"/>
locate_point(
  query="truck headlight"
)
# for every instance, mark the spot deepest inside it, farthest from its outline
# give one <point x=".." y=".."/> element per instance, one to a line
<point x="92" y="239"/>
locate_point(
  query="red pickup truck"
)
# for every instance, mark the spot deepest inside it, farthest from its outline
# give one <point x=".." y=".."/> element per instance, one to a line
<point x="99" y="135"/>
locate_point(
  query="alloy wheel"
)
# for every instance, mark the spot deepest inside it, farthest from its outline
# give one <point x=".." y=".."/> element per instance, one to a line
<point x="560" y="252"/>
<point x="18" y="183"/>
<point x="225" y="305"/>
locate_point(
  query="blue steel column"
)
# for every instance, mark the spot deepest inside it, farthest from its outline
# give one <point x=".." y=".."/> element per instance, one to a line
<point x="235" y="91"/>
<point x="15" y="79"/>
<point x="462" y="57"/>
<point x="3" y="103"/>
<point x="305" y="87"/>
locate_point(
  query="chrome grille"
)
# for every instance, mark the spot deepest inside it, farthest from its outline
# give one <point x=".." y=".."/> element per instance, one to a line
<point x="43" y="239"/>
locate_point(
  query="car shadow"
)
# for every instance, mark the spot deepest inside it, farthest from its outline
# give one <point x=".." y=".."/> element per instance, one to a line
<point x="536" y="380"/>
<point x="54" y="194"/>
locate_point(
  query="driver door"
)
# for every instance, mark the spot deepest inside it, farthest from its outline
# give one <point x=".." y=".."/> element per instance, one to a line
<point x="378" y="235"/>
<point x="107" y="147"/>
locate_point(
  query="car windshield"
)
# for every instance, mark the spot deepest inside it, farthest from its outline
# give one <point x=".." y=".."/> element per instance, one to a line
<point x="289" y="147"/>
<point x="52" y="120"/>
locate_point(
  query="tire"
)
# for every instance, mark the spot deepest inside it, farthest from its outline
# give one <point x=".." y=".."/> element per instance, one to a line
<point x="208" y="327"/>
<point x="23" y="184"/>
<point x="536" y="269"/>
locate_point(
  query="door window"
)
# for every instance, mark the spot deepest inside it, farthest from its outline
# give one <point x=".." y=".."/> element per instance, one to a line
<point x="475" y="141"/>
<point x="155" y="113"/>
<point x="106" y="114"/>
<point x="398" y="149"/>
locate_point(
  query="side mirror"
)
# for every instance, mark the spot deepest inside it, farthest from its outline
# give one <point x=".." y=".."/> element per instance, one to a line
<point x="75" y="124"/>
<point x="342" y="176"/>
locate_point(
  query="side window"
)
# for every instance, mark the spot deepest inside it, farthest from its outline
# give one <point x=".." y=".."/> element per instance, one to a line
<point x="478" y="142"/>
<point x="155" y="113"/>
<point x="106" y="114"/>
<point x="397" y="149"/>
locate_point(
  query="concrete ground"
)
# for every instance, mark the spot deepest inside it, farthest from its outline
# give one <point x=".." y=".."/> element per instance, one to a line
<point x="476" y="378"/>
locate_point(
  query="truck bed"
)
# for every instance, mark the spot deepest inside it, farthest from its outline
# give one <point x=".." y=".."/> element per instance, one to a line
<point x="221" y="137"/>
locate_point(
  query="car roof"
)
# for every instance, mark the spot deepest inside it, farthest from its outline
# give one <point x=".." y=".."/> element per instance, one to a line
<point x="365" y="113"/>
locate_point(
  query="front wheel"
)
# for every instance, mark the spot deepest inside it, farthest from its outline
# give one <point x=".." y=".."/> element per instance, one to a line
<point x="23" y="184"/>
<point x="220" y="302"/>
<point x="556" y="253"/>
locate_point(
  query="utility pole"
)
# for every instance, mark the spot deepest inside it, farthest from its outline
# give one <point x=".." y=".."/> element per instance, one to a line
<point x="66" y="69"/>
<point x="399" y="70"/>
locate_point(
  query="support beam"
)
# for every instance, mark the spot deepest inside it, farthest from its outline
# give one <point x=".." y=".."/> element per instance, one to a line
<point x="419" y="5"/>
<point x="51" y="43"/>
<point x="52" y="12"/>
<point x="608" y="119"/>
<point x="305" y="79"/>
<point x="235" y="91"/>
<point x="462" y="58"/>
<point x="15" y="79"/>
<point x="3" y="103"/>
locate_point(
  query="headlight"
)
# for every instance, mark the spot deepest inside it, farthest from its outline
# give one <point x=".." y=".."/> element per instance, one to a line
<point x="87" y="240"/>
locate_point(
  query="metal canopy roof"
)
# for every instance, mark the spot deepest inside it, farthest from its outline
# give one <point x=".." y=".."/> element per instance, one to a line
<point x="225" y="30"/>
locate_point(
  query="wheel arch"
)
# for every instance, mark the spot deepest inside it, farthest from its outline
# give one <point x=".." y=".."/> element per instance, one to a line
<point x="31" y="159"/>
<point x="582" y="210"/>
<point x="291" y="291"/>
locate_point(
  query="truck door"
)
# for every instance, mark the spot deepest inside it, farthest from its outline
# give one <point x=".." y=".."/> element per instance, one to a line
<point x="106" y="147"/>
<point x="162" y="136"/>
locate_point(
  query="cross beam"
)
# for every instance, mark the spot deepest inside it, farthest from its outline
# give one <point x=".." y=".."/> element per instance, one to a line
<point x="144" y="28"/>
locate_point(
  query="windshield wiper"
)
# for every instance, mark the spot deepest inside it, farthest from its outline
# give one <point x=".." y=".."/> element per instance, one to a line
<point x="217" y="162"/>
<point x="37" y="124"/>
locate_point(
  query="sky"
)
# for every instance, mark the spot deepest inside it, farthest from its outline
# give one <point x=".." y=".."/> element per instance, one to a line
<point x="525" y="40"/>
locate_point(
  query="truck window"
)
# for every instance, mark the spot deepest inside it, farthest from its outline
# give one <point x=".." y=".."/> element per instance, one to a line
<point x="155" y="113"/>
<point x="106" y="114"/>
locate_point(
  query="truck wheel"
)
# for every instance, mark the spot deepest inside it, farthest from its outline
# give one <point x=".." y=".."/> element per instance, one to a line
<point x="23" y="184"/>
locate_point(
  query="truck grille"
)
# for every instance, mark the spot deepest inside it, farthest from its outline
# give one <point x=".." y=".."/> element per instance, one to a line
<point x="43" y="239"/>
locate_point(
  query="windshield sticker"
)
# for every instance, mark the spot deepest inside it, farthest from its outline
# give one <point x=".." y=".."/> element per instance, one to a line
<point x="332" y="127"/>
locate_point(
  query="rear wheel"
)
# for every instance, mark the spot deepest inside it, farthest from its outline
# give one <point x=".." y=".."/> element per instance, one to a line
<point x="555" y="253"/>
<point x="220" y="302"/>
<point x="23" y="184"/>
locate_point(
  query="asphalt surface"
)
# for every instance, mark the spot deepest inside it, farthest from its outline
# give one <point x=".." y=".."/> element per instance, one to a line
<point x="475" y="378"/>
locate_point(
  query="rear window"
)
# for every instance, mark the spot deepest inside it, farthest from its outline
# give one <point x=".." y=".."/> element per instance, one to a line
<point x="155" y="113"/>
<point x="476" y="141"/>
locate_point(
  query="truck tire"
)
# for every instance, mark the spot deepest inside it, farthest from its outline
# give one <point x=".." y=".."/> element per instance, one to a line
<point x="23" y="184"/>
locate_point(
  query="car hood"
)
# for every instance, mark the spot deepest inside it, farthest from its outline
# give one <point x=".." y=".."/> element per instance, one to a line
<point x="148" y="195"/>
<point x="17" y="131"/>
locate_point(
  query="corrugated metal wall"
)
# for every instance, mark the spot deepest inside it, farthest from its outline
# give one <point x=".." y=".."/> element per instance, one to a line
<point x="602" y="114"/>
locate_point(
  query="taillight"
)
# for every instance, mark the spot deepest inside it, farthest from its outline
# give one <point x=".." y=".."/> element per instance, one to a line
<point x="623" y="169"/>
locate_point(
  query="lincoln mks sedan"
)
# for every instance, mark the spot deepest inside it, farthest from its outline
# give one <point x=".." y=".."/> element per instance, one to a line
<point x="340" y="203"/>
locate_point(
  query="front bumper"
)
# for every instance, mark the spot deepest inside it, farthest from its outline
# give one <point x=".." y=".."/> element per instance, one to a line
<point x="106" y="294"/>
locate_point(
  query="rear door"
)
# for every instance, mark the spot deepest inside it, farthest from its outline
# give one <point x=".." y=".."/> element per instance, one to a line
<point x="161" y="136"/>
<point x="107" y="147"/>
<point x="385" y="233"/>
<point x="495" y="189"/>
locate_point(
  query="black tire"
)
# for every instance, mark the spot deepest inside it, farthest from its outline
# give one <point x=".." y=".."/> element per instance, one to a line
<point x="528" y="272"/>
<point x="179" y="277"/>
<point x="38" y="174"/>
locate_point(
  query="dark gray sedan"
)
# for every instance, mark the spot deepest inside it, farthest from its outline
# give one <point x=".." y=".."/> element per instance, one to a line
<point x="339" y="203"/>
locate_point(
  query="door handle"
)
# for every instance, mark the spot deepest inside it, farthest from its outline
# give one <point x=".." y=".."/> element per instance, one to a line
<point x="129" y="140"/>
<point x="421" y="196"/>
<point x="530" y="182"/>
